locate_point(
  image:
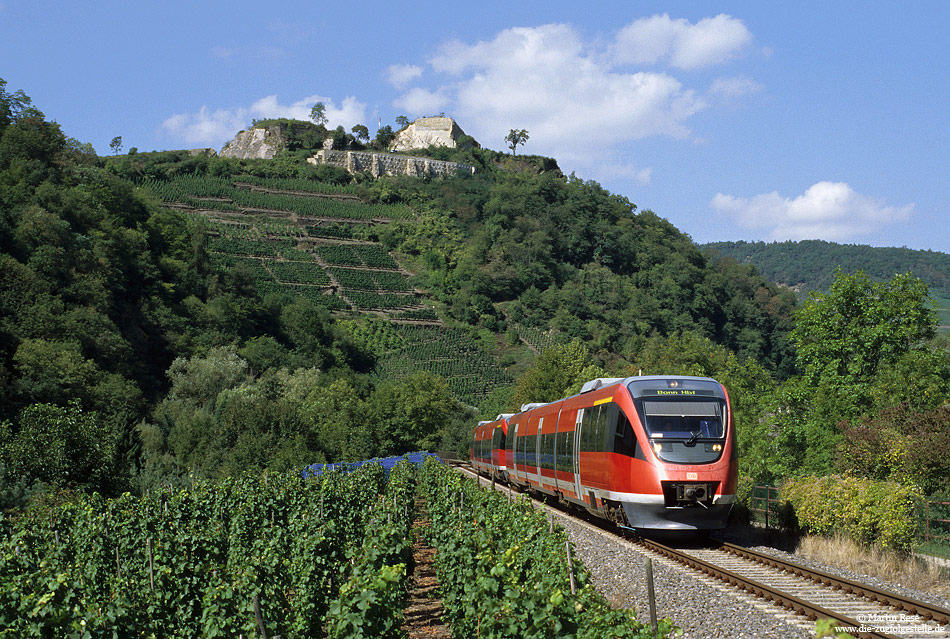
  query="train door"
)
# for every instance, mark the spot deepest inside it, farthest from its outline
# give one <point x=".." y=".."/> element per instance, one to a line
<point x="538" y="451"/>
<point x="556" y="460"/>
<point x="515" y="456"/>
<point x="576" y="454"/>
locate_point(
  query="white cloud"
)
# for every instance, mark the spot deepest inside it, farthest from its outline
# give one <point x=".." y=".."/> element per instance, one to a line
<point x="206" y="127"/>
<point x="734" y="87"/>
<point x="617" y="170"/>
<point x="215" y="128"/>
<point x="683" y="45"/>
<point x="827" y="210"/>
<point x="400" y="75"/>
<point x="421" y="102"/>
<point x="569" y="94"/>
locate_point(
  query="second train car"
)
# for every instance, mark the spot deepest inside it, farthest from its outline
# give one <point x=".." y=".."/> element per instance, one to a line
<point x="647" y="452"/>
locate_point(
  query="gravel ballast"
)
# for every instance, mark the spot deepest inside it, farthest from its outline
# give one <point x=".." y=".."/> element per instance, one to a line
<point x="697" y="604"/>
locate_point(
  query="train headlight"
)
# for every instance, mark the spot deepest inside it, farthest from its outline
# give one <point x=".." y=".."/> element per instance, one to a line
<point x="657" y="447"/>
<point x="716" y="448"/>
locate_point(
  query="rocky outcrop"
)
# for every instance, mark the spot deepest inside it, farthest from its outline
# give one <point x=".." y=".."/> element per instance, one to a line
<point x="426" y="132"/>
<point x="256" y="143"/>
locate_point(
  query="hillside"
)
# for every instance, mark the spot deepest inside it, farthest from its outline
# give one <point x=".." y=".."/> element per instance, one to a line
<point x="322" y="241"/>
<point x="168" y="311"/>
<point x="809" y="265"/>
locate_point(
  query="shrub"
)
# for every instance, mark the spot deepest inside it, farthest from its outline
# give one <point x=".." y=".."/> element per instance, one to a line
<point x="879" y="512"/>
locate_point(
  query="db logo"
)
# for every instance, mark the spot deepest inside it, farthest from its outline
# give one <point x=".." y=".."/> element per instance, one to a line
<point x="692" y="476"/>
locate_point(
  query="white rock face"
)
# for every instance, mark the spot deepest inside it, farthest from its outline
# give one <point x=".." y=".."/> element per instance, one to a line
<point x="254" y="144"/>
<point x="426" y="132"/>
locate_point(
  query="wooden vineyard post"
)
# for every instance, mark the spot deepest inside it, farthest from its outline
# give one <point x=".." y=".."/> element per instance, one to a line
<point x="260" y="618"/>
<point x="651" y="595"/>
<point x="151" y="566"/>
<point x="570" y="566"/>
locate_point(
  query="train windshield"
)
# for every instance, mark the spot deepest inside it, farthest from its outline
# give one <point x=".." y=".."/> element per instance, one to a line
<point x="684" y="419"/>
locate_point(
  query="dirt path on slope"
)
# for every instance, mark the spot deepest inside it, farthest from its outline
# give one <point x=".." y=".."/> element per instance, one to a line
<point x="424" y="614"/>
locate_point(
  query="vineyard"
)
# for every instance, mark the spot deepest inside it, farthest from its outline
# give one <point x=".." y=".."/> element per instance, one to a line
<point x="505" y="570"/>
<point x="317" y="556"/>
<point x="276" y="554"/>
<point x="451" y="353"/>
<point x="209" y="192"/>
<point x="307" y="238"/>
<point x="290" y="240"/>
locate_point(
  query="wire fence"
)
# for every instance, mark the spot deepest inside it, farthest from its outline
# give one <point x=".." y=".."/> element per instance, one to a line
<point x="766" y="508"/>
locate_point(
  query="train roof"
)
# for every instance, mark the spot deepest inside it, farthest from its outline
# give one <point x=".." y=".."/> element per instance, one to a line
<point x="604" y="382"/>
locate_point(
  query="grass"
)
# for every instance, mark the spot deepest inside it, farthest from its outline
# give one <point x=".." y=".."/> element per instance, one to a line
<point x="908" y="571"/>
<point x="934" y="549"/>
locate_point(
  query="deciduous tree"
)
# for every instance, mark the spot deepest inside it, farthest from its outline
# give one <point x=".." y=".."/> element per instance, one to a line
<point x="319" y="113"/>
<point x="361" y="132"/>
<point x="844" y="336"/>
<point x="515" y="138"/>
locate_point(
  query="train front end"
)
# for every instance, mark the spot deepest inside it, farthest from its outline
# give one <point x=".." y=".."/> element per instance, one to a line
<point x="686" y="454"/>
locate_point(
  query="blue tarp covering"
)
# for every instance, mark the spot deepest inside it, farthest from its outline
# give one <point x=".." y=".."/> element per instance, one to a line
<point x="387" y="463"/>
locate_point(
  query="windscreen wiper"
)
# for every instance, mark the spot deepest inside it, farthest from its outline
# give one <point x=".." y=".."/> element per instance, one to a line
<point x="693" y="438"/>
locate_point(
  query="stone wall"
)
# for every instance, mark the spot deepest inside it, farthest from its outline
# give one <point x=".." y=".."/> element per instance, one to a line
<point x="378" y="164"/>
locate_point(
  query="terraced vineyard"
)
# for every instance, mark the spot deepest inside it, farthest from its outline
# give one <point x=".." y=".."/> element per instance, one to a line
<point x="297" y="236"/>
<point x="302" y="237"/>
<point x="449" y="352"/>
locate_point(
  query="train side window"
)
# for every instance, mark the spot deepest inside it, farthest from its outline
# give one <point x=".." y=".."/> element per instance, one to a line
<point x="625" y="441"/>
<point x="593" y="435"/>
<point x="588" y="424"/>
<point x="569" y="451"/>
<point x="565" y="449"/>
<point x="551" y="451"/>
<point x="560" y="440"/>
<point x="604" y="427"/>
<point x="547" y="451"/>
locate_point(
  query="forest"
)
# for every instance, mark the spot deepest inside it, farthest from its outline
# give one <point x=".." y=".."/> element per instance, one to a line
<point x="166" y="316"/>
<point x="809" y="264"/>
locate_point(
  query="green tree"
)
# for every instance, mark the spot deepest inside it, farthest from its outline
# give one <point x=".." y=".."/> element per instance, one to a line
<point x="515" y="138"/>
<point x="59" y="446"/>
<point x="384" y="137"/>
<point x="12" y="105"/>
<point x="411" y="413"/>
<point x="319" y="113"/>
<point x="361" y="132"/>
<point x="402" y="121"/>
<point x="116" y="144"/>
<point x="854" y="343"/>
<point x="337" y="418"/>
<point x="196" y="381"/>
<point x="899" y="444"/>
<point x="845" y="336"/>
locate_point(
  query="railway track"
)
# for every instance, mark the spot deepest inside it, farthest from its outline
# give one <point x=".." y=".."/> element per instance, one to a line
<point x="808" y="594"/>
<point x="812" y="594"/>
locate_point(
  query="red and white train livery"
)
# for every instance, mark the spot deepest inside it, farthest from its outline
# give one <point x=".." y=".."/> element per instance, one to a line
<point x="653" y="452"/>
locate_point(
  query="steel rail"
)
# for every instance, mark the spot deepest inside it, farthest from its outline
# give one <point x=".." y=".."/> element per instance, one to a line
<point x="927" y="611"/>
<point x="799" y="606"/>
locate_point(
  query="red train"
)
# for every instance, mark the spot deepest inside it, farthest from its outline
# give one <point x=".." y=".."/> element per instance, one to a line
<point x="654" y="452"/>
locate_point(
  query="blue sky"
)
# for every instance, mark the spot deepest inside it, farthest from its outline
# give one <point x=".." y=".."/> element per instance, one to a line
<point x="753" y="121"/>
